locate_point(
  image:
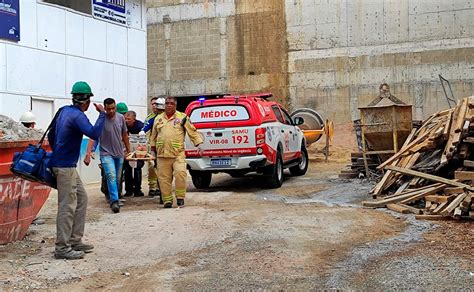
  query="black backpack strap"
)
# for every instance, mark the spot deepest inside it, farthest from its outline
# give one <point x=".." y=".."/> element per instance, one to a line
<point x="40" y="142"/>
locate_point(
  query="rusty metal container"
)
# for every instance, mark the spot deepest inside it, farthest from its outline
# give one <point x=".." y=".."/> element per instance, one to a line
<point x="20" y="200"/>
<point x="386" y="127"/>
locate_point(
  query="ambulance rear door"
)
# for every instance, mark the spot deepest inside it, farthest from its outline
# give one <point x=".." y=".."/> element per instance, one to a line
<point x="229" y="131"/>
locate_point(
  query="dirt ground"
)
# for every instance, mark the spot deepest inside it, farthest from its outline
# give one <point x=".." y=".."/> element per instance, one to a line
<point x="309" y="234"/>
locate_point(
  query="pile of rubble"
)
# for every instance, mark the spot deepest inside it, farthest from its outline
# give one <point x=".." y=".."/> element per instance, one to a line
<point x="433" y="175"/>
<point x="15" y="131"/>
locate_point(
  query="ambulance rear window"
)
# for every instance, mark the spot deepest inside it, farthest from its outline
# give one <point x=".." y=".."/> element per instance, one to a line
<point x="220" y="113"/>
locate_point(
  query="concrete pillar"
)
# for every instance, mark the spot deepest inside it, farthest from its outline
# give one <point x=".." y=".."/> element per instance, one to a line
<point x="419" y="98"/>
<point x="223" y="46"/>
<point x="168" y="57"/>
<point x="354" y="103"/>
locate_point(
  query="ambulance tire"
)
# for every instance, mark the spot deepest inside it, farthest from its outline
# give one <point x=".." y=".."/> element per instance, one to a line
<point x="275" y="176"/>
<point x="302" y="167"/>
<point x="201" y="179"/>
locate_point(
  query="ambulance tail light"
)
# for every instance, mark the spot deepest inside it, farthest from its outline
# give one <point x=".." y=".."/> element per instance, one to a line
<point x="260" y="136"/>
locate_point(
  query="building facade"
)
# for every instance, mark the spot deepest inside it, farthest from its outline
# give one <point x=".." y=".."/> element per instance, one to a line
<point x="211" y="47"/>
<point x="61" y="42"/>
<point x="329" y="55"/>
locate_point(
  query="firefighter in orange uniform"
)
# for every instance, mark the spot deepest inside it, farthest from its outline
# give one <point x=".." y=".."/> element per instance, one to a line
<point x="167" y="142"/>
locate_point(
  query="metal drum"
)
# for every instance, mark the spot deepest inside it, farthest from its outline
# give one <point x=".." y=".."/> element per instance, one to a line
<point x="312" y="126"/>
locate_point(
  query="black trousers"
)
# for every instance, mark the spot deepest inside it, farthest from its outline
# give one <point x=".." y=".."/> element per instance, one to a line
<point x="133" y="177"/>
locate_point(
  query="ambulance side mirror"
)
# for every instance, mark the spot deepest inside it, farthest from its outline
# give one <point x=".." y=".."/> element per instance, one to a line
<point x="298" y="121"/>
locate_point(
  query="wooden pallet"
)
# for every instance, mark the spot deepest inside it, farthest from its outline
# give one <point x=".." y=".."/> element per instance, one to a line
<point x="432" y="174"/>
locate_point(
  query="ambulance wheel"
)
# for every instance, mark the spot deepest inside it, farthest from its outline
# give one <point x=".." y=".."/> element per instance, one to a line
<point x="302" y="167"/>
<point x="275" y="176"/>
<point x="201" y="179"/>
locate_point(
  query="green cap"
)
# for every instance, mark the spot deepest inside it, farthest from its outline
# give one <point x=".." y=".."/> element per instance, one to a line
<point x="122" y="108"/>
<point x="81" y="87"/>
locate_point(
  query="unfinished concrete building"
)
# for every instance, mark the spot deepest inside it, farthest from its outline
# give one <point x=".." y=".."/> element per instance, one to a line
<point x="329" y="55"/>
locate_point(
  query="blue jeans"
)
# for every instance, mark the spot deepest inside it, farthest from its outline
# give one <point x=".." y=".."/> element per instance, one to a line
<point x="113" y="170"/>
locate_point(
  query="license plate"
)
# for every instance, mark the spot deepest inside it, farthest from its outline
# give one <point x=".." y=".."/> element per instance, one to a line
<point x="221" y="162"/>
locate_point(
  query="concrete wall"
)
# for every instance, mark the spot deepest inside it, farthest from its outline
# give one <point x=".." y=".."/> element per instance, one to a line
<point x="199" y="47"/>
<point x="340" y="51"/>
<point x="330" y="55"/>
<point x="60" y="46"/>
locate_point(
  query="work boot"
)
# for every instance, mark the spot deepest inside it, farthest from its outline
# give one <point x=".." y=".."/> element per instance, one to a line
<point x="139" y="194"/>
<point x="168" y="205"/>
<point x="82" y="247"/>
<point x="158" y="193"/>
<point x="70" y="255"/>
<point x="128" y="194"/>
<point x="180" y="202"/>
<point x="115" y="207"/>
<point x="151" y="193"/>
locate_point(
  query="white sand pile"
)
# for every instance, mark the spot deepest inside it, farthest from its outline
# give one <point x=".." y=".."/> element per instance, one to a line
<point x="15" y="131"/>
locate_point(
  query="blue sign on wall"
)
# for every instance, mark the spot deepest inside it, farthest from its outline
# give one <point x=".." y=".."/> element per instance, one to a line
<point x="110" y="10"/>
<point x="10" y="20"/>
<point x="116" y="5"/>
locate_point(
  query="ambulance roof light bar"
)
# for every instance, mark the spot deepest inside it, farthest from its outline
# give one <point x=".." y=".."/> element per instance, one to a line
<point x="201" y="100"/>
<point x="265" y="95"/>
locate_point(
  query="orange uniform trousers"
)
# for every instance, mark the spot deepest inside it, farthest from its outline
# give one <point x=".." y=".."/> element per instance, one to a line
<point x="169" y="168"/>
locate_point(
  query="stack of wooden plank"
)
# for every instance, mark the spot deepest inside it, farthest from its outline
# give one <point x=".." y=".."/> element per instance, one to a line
<point x="433" y="173"/>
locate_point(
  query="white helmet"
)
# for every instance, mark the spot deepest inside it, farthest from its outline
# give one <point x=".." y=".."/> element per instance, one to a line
<point x="28" y="117"/>
<point x="160" y="103"/>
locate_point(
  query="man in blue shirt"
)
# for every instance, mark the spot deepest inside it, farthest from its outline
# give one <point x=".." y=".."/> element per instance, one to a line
<point x="133" y="175"/>
<point x="134" y="126"/>
<point x="65" y="139"/>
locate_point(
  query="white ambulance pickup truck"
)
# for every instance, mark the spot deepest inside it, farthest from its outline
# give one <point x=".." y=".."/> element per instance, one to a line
<point x="242" y="134"/>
